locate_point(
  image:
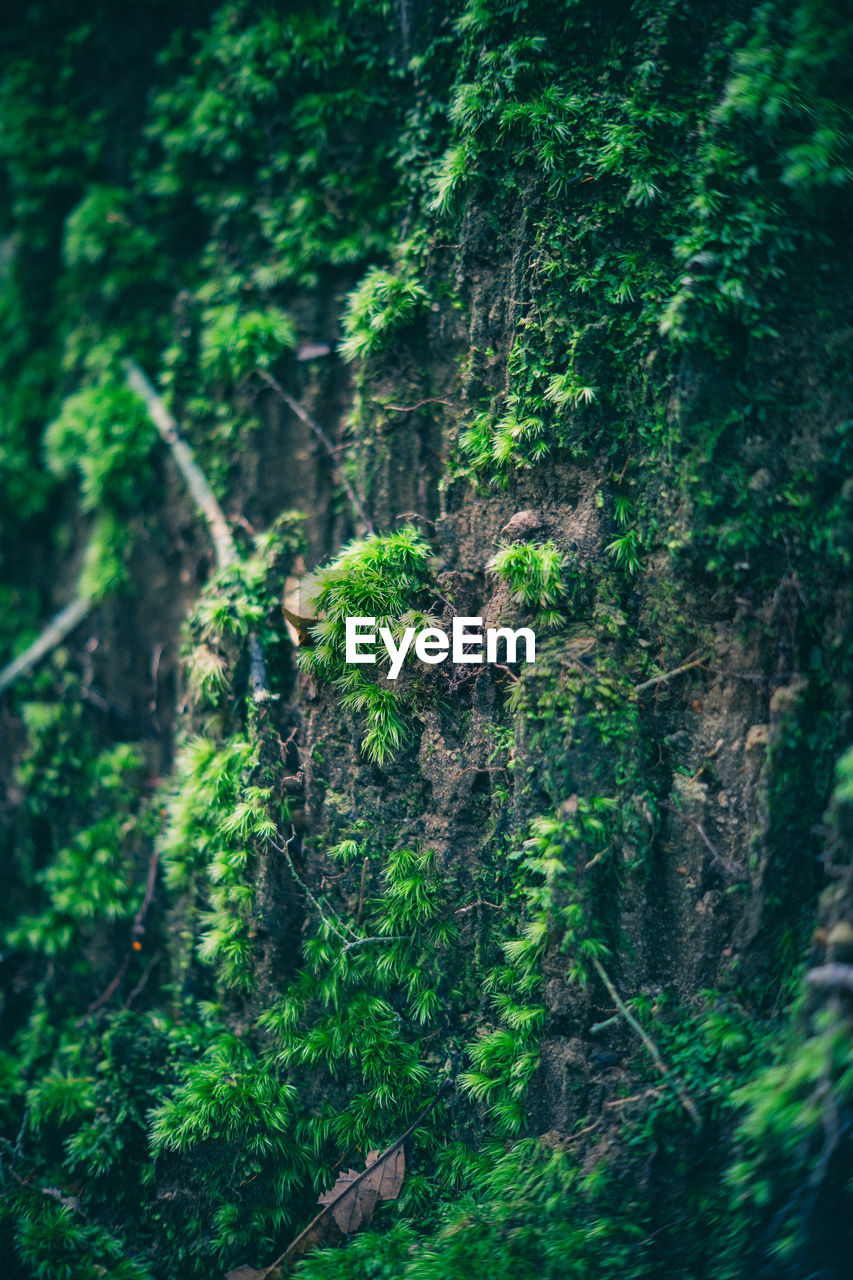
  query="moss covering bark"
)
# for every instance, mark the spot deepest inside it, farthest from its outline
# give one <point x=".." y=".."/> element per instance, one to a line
<point x="558" y="292"/>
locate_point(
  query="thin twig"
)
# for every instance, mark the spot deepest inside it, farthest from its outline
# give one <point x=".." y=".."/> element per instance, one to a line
<point x="602" y="1026"/>
<point x="414" y="515"/>
<point x="481" y="902"/>
<point x="140" y="986"/>
<point x="57" y="630"/>
<point x="444" y="600"/>
<point x="109" y="991"/>
<point x="667" y="675"/>
<point x="409" y="408"/>
<point x="285" y="849"/>
<point x="95" y="700"/>
<point x="148" y="897"/>
<point x="683" y="1097"/>
<point x="18" y="1149"/>
<point x="282" y="1264"/>
<point x="237" y="517"/>
<point x="736" y="869"/>
<point x="709" y="755"/>
<point x="378" y="937"/>
<point x="327" y="879"/>
<point x="321" y="435"/>
<point x="581" y="1133"/>
<point x="627" y="460"/>
<point x="284" y="743"/>
<point x="136" y="932"/>
<point x="224" y="547"/>
<point x="635" y="1097"/>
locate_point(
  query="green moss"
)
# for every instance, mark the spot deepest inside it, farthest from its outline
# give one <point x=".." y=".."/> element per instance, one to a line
<point x="235" y="342"/>
<point x="384" y="577"/>
<point x="641" y="210"/>
<point x="533" y="570"/>
<point x="375" y="311"/>
<point x="216" y="820"/>
<point x="103" y="433"/>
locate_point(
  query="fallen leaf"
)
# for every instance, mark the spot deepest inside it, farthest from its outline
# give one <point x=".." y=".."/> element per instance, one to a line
<point x="299" y="610"/>
<point x="353" y="1197"/>
<point x="348" y="1206"/>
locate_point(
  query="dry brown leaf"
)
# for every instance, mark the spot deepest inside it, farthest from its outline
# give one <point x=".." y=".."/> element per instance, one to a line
<point x="353" y="1198"/>
<point x="347" y="1207"/>
<point x="299" y="610"/>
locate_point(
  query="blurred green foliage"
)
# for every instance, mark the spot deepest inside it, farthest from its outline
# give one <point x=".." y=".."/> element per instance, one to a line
<point x="175" y="183"/>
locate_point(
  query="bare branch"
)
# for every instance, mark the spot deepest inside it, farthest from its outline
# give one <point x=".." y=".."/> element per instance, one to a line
<point x="136" y="932"/>
<point x="321" y="435"/>
<point x="481" y="902"/>
<point x="668" y="675"/>
<point x="282" y="1265"/>
<point x="635" y="1097"/>
<point x="678" y="1088"/>
<point x="364" y="867"/>
<point x="140" y="986"/>
<point x="735" y="869"/>
<point x="108" y="992"/>
<point x="410" y="408"/>
<point x="57" y="630"/>
<point x="224" y="547"/>
<point x="379" y="937"/>
<point x="593" y="862"/>
<point x="285" y="849"/>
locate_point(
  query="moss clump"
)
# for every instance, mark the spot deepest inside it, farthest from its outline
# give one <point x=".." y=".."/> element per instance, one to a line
<point x="384" y="577"/>
<point x="533" y="571"/>
<point x="382" y="304"/>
